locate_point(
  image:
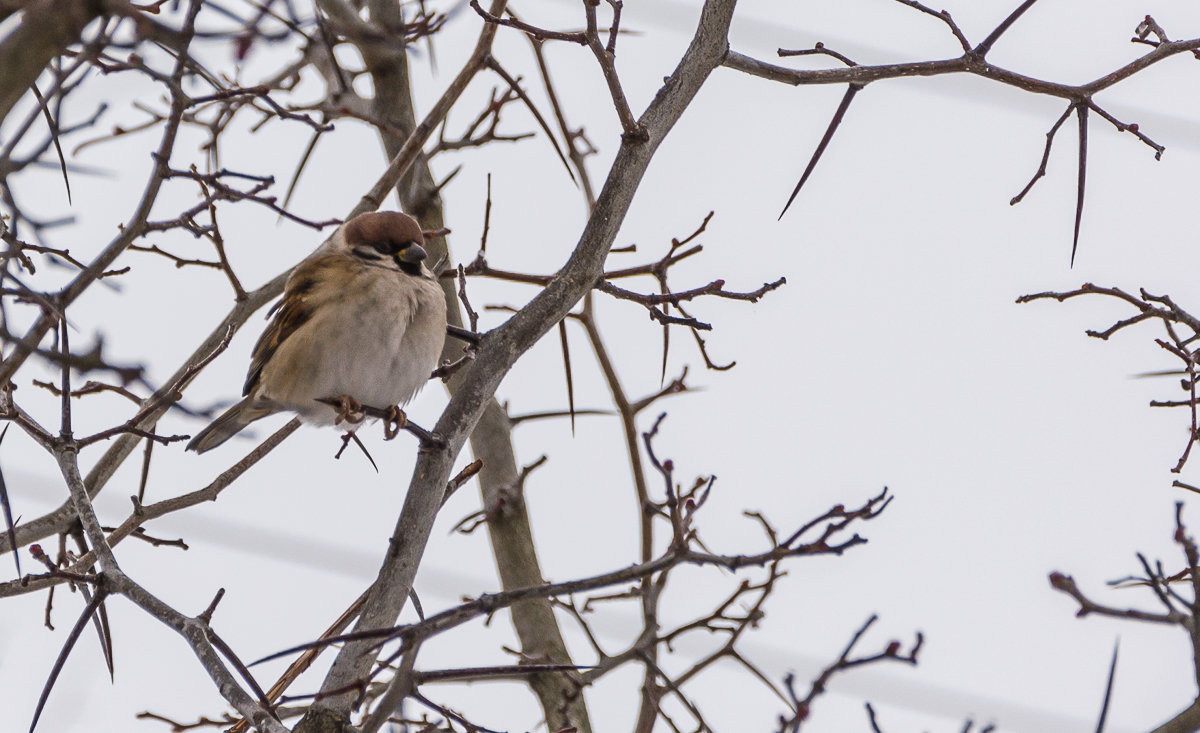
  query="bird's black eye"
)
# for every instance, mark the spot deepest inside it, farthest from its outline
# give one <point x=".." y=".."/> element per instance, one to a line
<point x="387" y="247"/>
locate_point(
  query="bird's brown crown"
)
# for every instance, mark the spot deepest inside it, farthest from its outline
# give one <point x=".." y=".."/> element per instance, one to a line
<point x="378" y="227"/>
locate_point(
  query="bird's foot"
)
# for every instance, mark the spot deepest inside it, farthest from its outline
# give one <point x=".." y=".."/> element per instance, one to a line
<point x="350" y="410"/>
<point x="394" y="420"/>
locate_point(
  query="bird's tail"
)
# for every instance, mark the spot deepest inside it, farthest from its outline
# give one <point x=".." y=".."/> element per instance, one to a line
<point x="227" y="425"/>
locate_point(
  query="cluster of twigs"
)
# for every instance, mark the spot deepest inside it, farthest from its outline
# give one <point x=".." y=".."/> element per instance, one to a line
<point x="1179" y="608"/>
<point x="375" y="670"/>
<point x="92" y="568"/>
<point x="829" y="533"/>
<point x="1181" y="330"/>
<point x="1080" y="98"/>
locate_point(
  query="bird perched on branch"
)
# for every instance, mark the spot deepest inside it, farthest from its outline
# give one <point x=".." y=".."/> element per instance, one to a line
<point x="362" y="320"/>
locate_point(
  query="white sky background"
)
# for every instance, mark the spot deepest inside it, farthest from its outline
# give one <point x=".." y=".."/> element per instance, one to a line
<point x="895" y="356"/>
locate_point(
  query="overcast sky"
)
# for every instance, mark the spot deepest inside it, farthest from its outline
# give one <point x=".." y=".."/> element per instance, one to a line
<point x="895" y="356"/>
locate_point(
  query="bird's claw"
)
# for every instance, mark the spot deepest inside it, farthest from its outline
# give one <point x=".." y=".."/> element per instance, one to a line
<point x="350" y="411"/>
<point x="393" y="422"/>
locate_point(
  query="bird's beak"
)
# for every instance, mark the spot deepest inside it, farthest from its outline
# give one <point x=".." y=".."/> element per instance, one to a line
<point x="412" y="254"/>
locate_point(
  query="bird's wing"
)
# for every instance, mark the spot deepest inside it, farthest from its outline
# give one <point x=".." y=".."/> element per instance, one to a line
<point x="309" y="285"/>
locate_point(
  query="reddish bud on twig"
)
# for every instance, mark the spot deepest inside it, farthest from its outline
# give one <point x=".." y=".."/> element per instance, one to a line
<point x="669" y="465"/>
<point x="893" y="648"/>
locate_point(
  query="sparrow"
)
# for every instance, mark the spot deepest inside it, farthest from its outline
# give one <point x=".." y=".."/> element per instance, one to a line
<point x="361" y="320"/>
